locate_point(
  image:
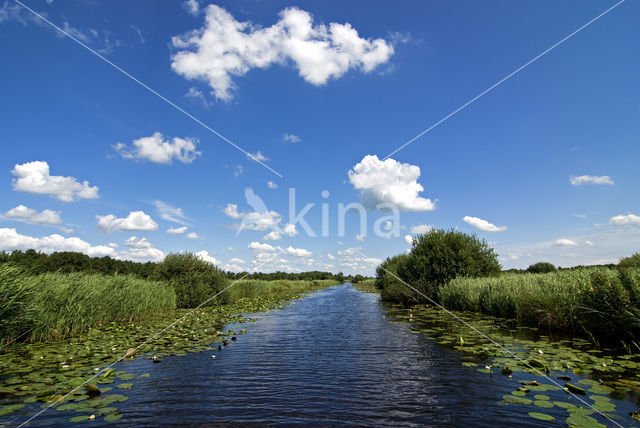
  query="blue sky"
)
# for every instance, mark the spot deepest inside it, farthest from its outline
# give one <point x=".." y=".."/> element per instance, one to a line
<point x="544" y="166"/>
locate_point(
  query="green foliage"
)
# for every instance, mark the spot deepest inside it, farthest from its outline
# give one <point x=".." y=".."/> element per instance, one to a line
<point x="357" y="278"/>
<point x="436" y="258"/>
<point x="541" y="267"/>
<point x="630" y="262"/>
<point x="193" y="280"/>
<point x="275" y="289"/>
<point x="67" y="262"/>
<point x="54" y="305"/>
<point x="391" y="285"/>
<point x="598" y="302"/>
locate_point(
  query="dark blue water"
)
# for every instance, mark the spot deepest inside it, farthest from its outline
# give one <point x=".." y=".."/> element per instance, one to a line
<point x="332" y="358"/>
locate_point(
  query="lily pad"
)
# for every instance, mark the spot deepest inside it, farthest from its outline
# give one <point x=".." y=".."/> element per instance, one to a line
<point x="113" y="417"/>
<point x="543" y="403"/>
<point x="5" y="410"/>
<point x="125" y="385"/>
<point x="541" y="416"/>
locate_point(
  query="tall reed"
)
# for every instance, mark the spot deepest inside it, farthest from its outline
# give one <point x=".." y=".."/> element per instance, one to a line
<point x="54" y="305"/>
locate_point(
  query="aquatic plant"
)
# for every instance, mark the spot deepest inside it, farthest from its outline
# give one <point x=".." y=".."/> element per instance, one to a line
<point x="601" y="303"/>
<point x="54" y="305"/>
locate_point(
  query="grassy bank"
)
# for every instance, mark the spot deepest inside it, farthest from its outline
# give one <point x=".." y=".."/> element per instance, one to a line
<point x="368" y="286"/>
<point x="52" y="306"/>
<point x="278" y="289"/>
<point x="602" y="303"/>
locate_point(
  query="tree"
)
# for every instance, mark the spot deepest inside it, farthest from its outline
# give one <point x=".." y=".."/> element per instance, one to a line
<point x="194" y="280"/>
<point x="358" y="278"/>
<point x="630" y="262"/>
<point x="541" y="267"/>
<point x="436" y="258"/>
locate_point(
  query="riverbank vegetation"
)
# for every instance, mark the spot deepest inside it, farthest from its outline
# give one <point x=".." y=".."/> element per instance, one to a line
<point x="39" y="305"/>
<point x="461" y="272"/>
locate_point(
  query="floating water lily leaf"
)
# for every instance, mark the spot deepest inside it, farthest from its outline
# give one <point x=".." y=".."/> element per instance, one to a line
<point x="541" y="416"/>
<point x="515" y="399"/>
<point x="145" y="375"/>
<point x="583" y="421"/>
<point x="518" y="393"/>
<point x="125" y="385"/>
<point x="126" y="376"/>
<point x="564" y="405"/>
<point x="541" y="397"/>
<point x="79" y="418"/>
<point x="113" y="417"/>
<point x="543" y="403"/>
<point x="5" y="410"/>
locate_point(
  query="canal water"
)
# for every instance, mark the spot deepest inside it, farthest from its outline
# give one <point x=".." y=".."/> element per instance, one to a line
<point x="335" y="357"/>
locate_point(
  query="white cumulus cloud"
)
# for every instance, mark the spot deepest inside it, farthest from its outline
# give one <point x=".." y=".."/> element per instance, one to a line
<point x="565" y="243"/>
<point x="29" y="215"/>
<point x="224" y="48"/>
<point x="35" y="177"/>
<point x="623" y="220"/>
<point x="12" y="240"/>
<point x="420" y="229"/>
<point x="176" y="230"/>
<point x="590" y="179"/>
<point x="483" y="225"/>
<point x="136" y="220"/>
<point x="193" y="235"/>
<point x="204" y="255"/>
<point x="157" y="149"/>
<point x="389" y="181"/>
<point x="272" y="185"/>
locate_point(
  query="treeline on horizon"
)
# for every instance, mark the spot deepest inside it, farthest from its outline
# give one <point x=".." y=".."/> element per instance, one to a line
<point x="36" y="263"/>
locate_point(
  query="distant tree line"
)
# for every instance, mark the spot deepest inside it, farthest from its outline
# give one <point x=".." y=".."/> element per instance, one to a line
<point x="67" y="262"/>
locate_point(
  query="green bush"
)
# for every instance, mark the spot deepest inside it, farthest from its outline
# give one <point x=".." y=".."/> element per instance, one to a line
<point x="541" y="267"/>
<point x="630" y="262"/>
<point x="392" y="287"/>
<point x="439" y="256"/>
<point x="193" y="280"/>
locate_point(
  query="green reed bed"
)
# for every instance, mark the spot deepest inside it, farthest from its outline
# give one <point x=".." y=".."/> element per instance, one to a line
<point x="602" y="303"/>
<point x="53" y="306"/>
<point x="279" y="289"/>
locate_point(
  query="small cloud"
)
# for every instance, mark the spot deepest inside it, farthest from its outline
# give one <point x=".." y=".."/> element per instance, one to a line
<point x="258" y="156"/>
<point x="564" y="243"/>
<point x="291" y="138"/>
<point x="238" y="170"/>
<point x="483" y="225"/>
<point x="623" y="220"/>
<point x="34" y="177"/>
<point x="359" y="237"/>
<point x="136" y="220"/>
<point x="389" y="181"/>
<point x="176" y="230"/>
<point x="590" y="179"/>
<point x="197" y="95"/>
<point x="408" y="239"/>
<point x="272" y="185"/>
<point x="170" y="213"/>
<point x="420" y="229"/>
<point x="29" y="215"/>
<point x="580" y="215"/>
<point x="139" y="33"/>
<point x="193" y="235"/>
<point x="192" y="6"/>
<point x="589" y="243"/>
<point x="157" y="149"/>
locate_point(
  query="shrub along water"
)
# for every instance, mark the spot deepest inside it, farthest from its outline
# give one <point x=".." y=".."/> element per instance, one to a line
<point x="55" y="305"/>
<point x="281" y="289"/>
<point x="436" y="257"/>
<point x="193" y="280"/>
<point x="601" y="303"/>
